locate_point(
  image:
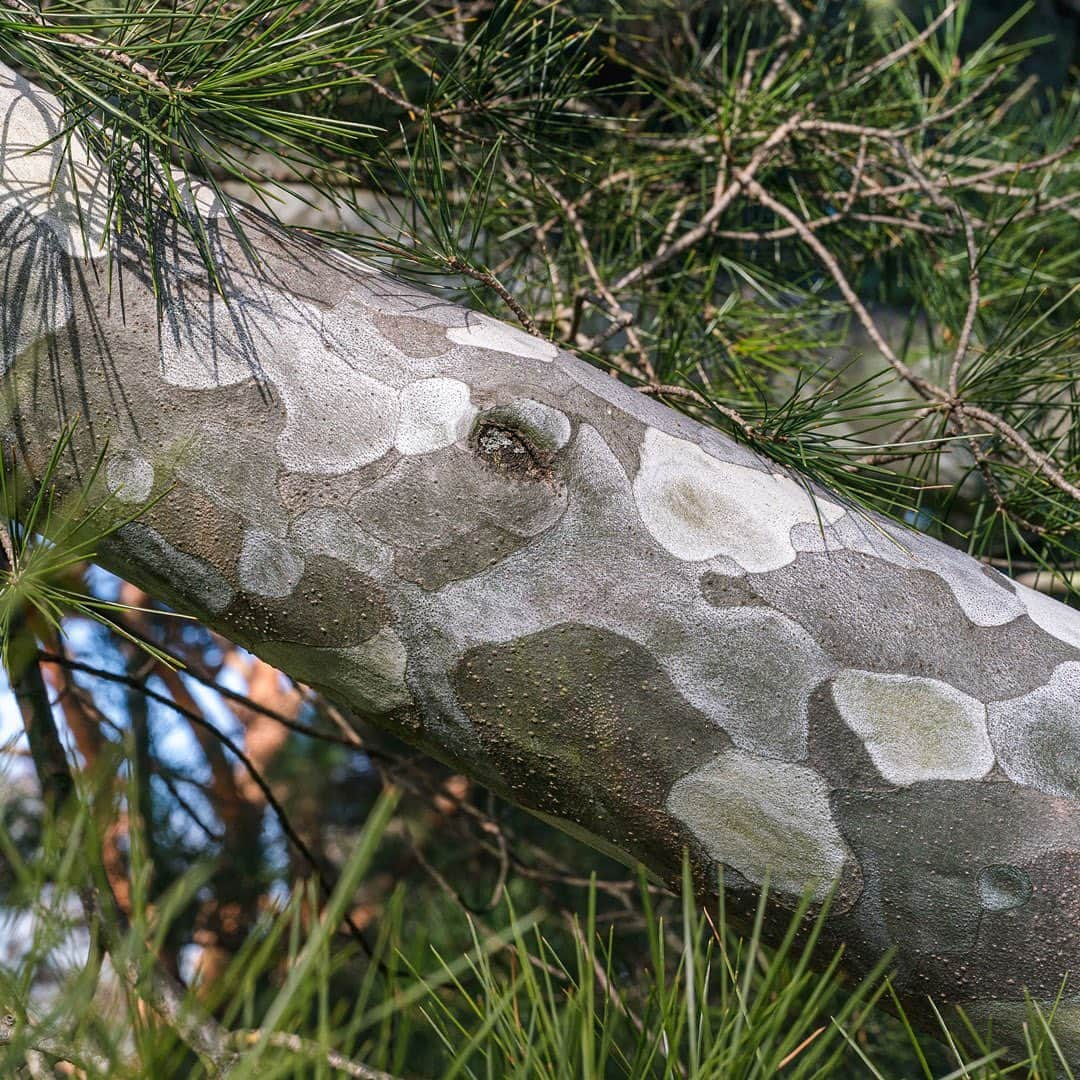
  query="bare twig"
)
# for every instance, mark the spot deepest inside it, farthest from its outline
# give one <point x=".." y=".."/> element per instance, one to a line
<point x="922" y="386"/>
<point x="285" y="1040"/>
<point x="1043" y="463"/>
<point x="81" y="41"/>
<point x="485" y="277"/>
<point x="898" y="54"/>
<point x="722" y="198"/>
<point x="623" y="319"/>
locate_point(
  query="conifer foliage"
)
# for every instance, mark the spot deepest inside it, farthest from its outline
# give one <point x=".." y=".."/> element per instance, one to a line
<point x="845" y="236"/>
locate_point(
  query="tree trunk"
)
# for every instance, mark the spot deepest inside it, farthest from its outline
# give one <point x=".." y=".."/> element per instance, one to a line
<point x="609" y="612"/>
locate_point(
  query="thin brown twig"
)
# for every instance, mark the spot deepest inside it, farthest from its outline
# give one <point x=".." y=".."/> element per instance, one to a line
<point x="908" y="47"/>
<point x="975" y="180"/>
<point x="1042" y="462"/>
<point x="973" y="303"/>
<point x="82" y="41"/>
<point x="286" y="1040"/>
<point x="784" y="43"/>
<point x="460" y="266"/>
<point x="722" y="198"/>
<point x="922" y="386"/>
<point x="193" y="670"/>
<point x="623" y="318"/>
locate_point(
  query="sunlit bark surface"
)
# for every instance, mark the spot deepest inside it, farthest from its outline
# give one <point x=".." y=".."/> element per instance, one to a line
<point x="609" y="612"/>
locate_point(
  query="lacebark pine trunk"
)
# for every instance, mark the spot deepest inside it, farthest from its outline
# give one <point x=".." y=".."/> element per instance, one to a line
<point x="614" y="615"/>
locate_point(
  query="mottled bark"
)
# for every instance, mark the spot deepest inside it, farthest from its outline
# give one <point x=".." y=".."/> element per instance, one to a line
<point x="609" y="612"/>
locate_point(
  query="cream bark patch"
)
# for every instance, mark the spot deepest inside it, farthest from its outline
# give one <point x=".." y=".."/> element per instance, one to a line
<point x="58" y="181"/>
<point x="1037" y="736"/>
<point x="434" y="414"/>
<point x="129" y="477"/>
<point x="915" y="729"/>
<point x="483" y="332"/>
<point x="698" y="507"/>
<point x="1051" y="615"/>
<point x="764" y="819"/>
<point x="268" y="567"/>
<point x="337" y="417"/>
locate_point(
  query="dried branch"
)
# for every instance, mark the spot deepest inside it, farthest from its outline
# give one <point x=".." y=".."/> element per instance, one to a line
<point x="163" y="994"/>
<point x="284" y="1040"/>
<point x="230" y="744"/>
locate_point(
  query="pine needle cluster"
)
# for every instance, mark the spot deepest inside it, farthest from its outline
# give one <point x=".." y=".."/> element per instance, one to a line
<point x="847" y="240"/>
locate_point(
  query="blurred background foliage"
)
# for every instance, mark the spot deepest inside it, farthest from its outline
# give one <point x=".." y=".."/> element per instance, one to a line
<point x="846" y="233"/>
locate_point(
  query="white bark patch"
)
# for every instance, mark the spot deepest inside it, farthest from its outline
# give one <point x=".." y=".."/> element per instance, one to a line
<point x="268" y="567"/>
<point x="35" y="301"/>
<point x="1056" y="618"/>
<point x="198" y="197"/>
<point x="203" y="352"/>
<point x="483" y="332"/>
<point x="337" y="418"/>
<point x="334" y="534"/>
<point x="129" y="477"/>
<point x="434" y="414"/>
<point x="1037" y="735"/>
<point x="377" y="673"/>
<point x="698" y="507"/>
<point x="915" y="729"/>
<point x="754" y="678"/>
<point x="984" y="601"/>
<point x="59" y="182"/>
<point x="764" y="818"/>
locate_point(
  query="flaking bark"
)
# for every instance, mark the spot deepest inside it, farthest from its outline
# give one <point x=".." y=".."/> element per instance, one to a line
<point x="614" y="615"/>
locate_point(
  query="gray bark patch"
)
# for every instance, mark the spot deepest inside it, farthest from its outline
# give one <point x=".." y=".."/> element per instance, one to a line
<point x="331" y="605"/>
<point x="193" y="579"/>
<point x="584" y="724"/>
<point x="953" y="837"/>
<point x="868" y="613"/>
<point x="1037" y="736"/>
<point x="448" y="515"/>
